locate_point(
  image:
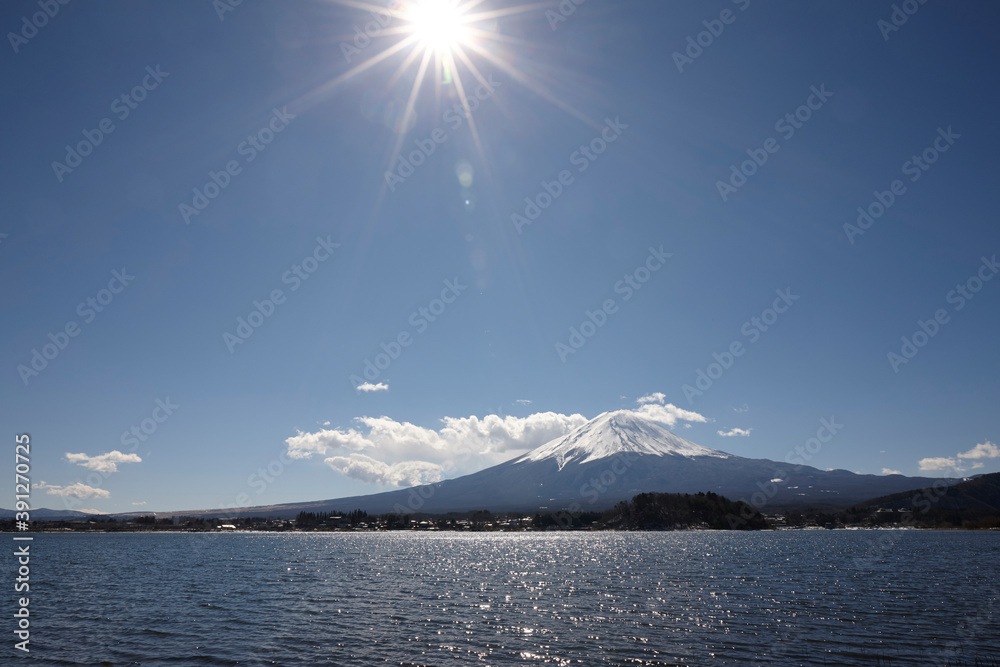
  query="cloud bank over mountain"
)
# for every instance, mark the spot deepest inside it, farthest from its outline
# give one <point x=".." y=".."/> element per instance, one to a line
<point x="386" y="452"/>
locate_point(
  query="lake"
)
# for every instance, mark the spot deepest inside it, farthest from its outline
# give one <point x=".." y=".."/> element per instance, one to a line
<point x="403" y="598"/>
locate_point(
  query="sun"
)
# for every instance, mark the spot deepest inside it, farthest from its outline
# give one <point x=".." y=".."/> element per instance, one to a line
<point x="453" y="46"/>
<point x="438" y="25"/>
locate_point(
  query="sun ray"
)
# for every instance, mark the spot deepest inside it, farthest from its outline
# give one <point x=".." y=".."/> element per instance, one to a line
<point x="369" y="7"/>
<point x="401" y="70"/>
<point x="523" y="79"/>
<point x="410" y="104"/>
<point x="472" y="122"/>
<point x="368" y="64"/>
<point x="510" y="11"/>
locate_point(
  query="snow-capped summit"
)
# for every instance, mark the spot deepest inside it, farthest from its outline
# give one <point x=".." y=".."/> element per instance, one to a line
<point x="612" y="433"/>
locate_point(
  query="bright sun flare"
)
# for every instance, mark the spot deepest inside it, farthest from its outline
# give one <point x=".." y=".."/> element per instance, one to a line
<point x="438" y="24"/>
<point x="448" y="43"/>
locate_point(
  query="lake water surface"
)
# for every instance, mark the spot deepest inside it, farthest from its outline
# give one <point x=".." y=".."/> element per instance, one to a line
<point x="674" y="598"/>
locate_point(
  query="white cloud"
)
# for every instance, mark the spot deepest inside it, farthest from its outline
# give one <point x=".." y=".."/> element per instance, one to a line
<point x="523" y="401"/>
<point x="77" y="490"/>
<point x="493" y="433"/>
<point x="461" y="444"/>
<point x="984" y="450"/>
<point x="976" y="466"/>
<point x="733" y="432"/>
<point x="103" y="462"/>
<point x="655" y="397"/>
<point x="890" y="471"/>
<point x="937" y="463"/>
<point x="745" y="408"/>
<point x="142" y="502"/>
<point x="373" y="471"/>
<point x="368" y="386"/>
<point x="668" y="414"/>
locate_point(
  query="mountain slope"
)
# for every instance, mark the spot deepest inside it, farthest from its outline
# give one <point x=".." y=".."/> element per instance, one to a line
<point x="611" y="458"/>
<point x="979" y="494"/>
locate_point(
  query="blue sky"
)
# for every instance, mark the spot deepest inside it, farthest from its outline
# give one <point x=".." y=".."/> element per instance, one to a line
<point x="305" y="208"/>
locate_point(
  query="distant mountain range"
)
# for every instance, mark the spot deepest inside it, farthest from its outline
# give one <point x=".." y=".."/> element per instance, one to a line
<point x="973" y="497"/>
<point x="611" y="458"/>
<point x="45" y="514"/>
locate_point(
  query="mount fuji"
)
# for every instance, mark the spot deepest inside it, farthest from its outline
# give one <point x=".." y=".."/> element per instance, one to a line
<point x="611" y="458"/>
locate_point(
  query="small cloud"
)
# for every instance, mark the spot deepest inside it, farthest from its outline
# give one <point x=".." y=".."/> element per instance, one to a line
<point x="77" y="490"/>
<point x="745" y="408"/>
<point x="655" y="397"/>
<point x="744" y="432"/>
<point x="890" y="471"/>
<point x="141" y="502"/>
<point x="523" y="401"/>
<point x="326" y="423"/>
<point x="368" y="386"/>
<point x="937" y="463"/>
<point x="103" y="462"/>
<point x="668" y="414"/>
<point x="976" y="466"/>
<point x="881" y="451"/>
<point x="687" y="425"/>
<point x="984" y="450"/>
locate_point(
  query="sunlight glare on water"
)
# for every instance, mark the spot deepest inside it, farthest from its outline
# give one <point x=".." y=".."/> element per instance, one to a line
<point x="811" y="598"/>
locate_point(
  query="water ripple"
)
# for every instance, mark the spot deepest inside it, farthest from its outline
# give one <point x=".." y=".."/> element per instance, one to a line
<point x="795" y="598"/>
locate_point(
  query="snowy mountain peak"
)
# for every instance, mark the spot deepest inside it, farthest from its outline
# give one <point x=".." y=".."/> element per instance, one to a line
<point x="612" y="433"/>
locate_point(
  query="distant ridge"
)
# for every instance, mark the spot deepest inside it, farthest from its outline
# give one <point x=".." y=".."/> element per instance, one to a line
<point x="47" y="514"/>
<point x="977" y="495"/>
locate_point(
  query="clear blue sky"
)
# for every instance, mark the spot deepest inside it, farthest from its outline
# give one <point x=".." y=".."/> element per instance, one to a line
<point x="516" y="289"/>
